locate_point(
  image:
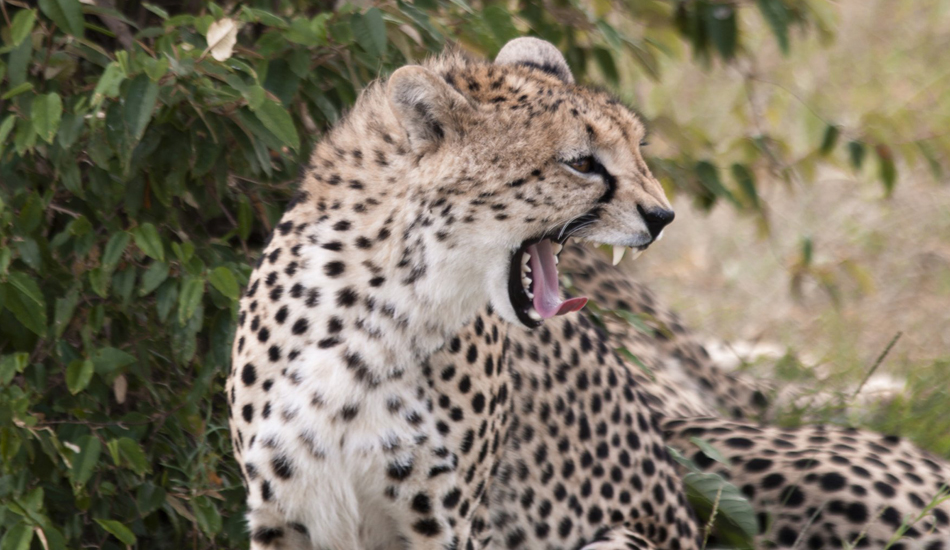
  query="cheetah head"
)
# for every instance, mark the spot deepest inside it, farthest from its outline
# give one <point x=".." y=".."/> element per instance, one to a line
<point x="535" y="159"/>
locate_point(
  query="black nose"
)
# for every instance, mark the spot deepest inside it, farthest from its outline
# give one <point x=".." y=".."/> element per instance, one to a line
<point x="656" y="219"/>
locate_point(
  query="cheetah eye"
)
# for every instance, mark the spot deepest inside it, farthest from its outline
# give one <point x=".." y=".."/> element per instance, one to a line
<point x="584" y="165"/>
<point x="644" y="143"/>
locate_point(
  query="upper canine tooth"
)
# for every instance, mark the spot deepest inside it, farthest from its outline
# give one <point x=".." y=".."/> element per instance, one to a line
<point x="557" y="248"/>
<point x="534" y="314"/>
<point x="635" y="254"/>
<point x="618" y="253"/>
<point x="525" y="258"/>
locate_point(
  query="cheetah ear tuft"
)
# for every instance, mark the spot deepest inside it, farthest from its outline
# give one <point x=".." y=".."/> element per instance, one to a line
<point x="429" y="109"/>
<point x="538" y="54"/>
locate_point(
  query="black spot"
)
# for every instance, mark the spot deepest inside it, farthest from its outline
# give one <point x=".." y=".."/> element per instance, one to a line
<point x="429" y="527"/>
<point x="273" y="353"/>
<point x="267" y="535"/>
<point x="248" y="412"/>
<point x="282" y="466"/>
<point x="263" y="334"/>
<point x="399" y="471"/>
<point x="377" y="281"/>
<point x="341" y="225"/>
<point x="300" y="326"/>
<point x="421" y="503"/>
<point x="334" y="269"/>
<point x="346" y="297"/>
<point x="281" y="315"/>
<point x="248" y="375"/>
<point x="832" y="481"/>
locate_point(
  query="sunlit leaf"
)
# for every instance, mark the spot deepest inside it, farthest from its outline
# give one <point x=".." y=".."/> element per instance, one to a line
<point x="67" y="14"/>
<point x="78" y="375"/>
<point x="147" y="239"/>
<point x="22" y="26"/>
<point x="120" y="531"/>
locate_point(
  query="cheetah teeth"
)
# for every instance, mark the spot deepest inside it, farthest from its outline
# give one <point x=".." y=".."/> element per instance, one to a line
<point x="618" y="253"/>
<point x="533" y="314"/>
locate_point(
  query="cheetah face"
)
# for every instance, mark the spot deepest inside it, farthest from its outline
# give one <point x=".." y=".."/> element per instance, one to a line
<point x="552" y="160"/>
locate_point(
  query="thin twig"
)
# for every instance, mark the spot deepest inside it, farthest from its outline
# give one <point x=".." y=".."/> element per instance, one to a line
<point x="877" y="363"/>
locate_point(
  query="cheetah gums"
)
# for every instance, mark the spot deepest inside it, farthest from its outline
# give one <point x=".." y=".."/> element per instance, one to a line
<point x="364" y="415"/>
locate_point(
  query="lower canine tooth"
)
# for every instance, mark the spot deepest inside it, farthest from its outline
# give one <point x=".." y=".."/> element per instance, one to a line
<point x="618" y="253"/>
<point x="636" y="254"/>
<point x="557" y="248"/>
<point x="534" y="314"/>
<point x="529" y="293"/>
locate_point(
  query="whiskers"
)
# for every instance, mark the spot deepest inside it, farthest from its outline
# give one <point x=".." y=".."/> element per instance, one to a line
<point x="576" y="224"/>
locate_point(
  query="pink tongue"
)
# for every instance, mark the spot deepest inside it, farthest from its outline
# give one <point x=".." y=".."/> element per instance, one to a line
<point x="547" y="300"/>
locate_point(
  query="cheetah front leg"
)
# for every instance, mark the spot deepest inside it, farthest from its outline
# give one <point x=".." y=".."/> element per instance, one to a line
<point x="619" y="538"/>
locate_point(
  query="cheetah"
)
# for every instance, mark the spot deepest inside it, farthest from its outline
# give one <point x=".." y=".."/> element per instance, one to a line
<point x="447" y="190"/>
<point x="812" y="487"/>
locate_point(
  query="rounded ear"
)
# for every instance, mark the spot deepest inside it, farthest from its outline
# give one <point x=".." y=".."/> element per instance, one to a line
<point x="536" y="53"/>
<point x="427" y="107"/>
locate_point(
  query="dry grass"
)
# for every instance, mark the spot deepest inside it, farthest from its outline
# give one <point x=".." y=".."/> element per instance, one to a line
<point x="887" y="259"/>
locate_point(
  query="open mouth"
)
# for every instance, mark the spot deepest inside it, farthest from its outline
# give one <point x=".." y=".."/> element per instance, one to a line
<point x="533" y="286"/>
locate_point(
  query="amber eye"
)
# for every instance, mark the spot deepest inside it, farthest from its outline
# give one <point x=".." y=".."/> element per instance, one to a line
<point x="584" y="165"/>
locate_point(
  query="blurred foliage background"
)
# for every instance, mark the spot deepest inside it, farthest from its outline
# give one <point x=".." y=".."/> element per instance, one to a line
<point x="146" y="149"/>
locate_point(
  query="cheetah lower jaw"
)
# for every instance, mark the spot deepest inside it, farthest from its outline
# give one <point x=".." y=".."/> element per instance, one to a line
<point x="545" y="288"/>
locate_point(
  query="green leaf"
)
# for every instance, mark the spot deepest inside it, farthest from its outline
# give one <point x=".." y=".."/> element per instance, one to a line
<point x="722" y="28"/>
<point x="28" y="287"/>
<point x="21" y="26"/>
<point x="207" y="515"/>
<point x="776" y="15"/>
<point x="78" y="375"/>
<point x="120" y="531"/>
<point x="830" y="139"/>
<point x="709" y="450"/>
<point x="156" y="10"/>
<point x="114" y="249"/>
<point x="735" y="519"/>
<point x="67" y="14"/>
<point x="107" y="360"/>
<point x="140" y="101"/>
<point x="746" y="181"/>
<point x="370" y="31"/>
<point x="17" y="90"/>
<point x="888" y="170"/>
<point x="63" y="312"/>
<point x="147" y="239"/>
<point x="26" y="302"/>
<point x="109" y="82"/>
<point x="856" y="154"/>
<point x="499" y="23"/>
<point x="47" y="111"/>
<point x="154" y="276"/>
<point x="13" y="364"/>
<point x="192" y="290"/>
<point x="5" y="128"/>
<point x="709" y="177"/>
<point x="222" y="279"/>
<point x="18" y="538"/>
<point x="605" y="60"/>
<point x="276" y="119"/>
<point x="133" y="455"/>
<point x="85" y="462"/>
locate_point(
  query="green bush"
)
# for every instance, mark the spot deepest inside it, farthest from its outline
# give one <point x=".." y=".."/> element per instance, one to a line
<point x="142" y="168"/>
